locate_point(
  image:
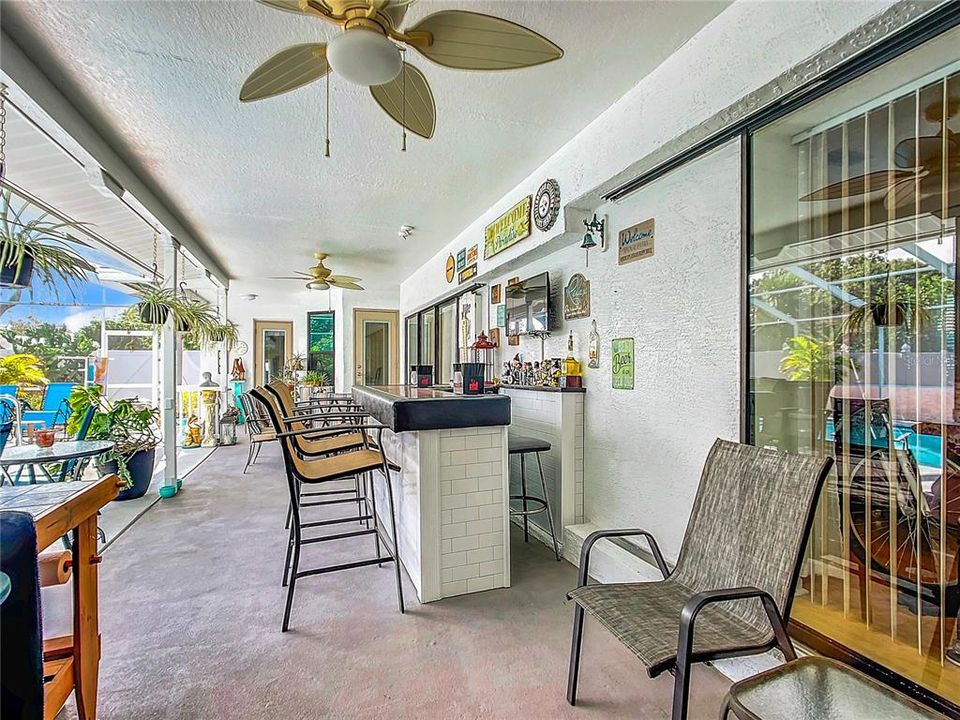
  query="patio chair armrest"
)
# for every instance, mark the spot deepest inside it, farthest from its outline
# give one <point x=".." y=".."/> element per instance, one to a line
<point x="593" y="537"/>
<point x="313" y="431"/>
<point x="693" y="606"/>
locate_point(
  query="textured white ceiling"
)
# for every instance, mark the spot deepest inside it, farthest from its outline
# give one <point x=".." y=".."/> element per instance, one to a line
<point x="162" y="78"/>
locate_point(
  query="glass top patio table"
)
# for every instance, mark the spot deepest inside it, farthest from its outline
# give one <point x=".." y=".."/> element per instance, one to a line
<point x="58" y="452"/>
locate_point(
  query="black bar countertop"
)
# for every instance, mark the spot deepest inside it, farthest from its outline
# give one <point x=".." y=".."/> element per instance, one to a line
<point x="407" y="407"/>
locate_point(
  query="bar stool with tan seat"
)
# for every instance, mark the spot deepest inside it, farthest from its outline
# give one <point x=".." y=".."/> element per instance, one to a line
<point x="257" y="434"/>
<point x="362" y="461"/>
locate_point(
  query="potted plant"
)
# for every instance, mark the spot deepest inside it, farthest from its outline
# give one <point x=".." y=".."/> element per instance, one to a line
<point x="315" y="378"/>
<point x="226" y="332"/>
<point x="21" y="369"/>
<point x="154" y="303"/>
<point x="892" y="307"/>
<point x="35" y="248"/>
<point x="133" y="428"/>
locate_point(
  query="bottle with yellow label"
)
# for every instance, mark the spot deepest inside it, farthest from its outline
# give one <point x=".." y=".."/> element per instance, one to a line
<point x="571" y="366"/>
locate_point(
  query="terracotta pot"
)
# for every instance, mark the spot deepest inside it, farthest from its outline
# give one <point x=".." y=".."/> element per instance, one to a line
<point x="44" y="438"/>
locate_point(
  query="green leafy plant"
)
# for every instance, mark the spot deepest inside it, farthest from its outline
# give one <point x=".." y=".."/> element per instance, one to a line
<point x="156" y="303"/>
<point x="811" y="360"/>
<point x="21" y="369"/>
<point x="131" y="425"/>
<point x="35" y="249"/>
<point x="315" y="378"/>
<point x="226" y="332"/>
<point x="893" y="307"/>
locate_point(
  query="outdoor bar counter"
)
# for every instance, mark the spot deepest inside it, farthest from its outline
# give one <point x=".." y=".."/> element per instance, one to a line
<point x="452" y="492"/>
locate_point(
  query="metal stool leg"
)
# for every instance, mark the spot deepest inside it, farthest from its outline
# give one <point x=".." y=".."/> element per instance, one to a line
<point x="368" y="483"/>
<point x="393" y="533"/>
<point x="295" y="523"/>
<point x="523" y="492"/>
<point x="249" y="456"/>
<point x="546" y="504"/>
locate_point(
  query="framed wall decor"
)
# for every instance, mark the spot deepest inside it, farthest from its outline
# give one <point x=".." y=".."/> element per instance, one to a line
<point x="508" y="229"/>
<point x="461" y="259"/>
<point x="621" y="363"/>
<point x="472" y="253"/>
<point x="495" y="336"/>
<point x="495" y="297"/>
<point x="635" y="242"/>
<point x="576" y="298"/>
<point x="501" y="315"/>
<point x="546" y="205"/>
<point x="467" y="273"/>
<point x="451" y="269"/>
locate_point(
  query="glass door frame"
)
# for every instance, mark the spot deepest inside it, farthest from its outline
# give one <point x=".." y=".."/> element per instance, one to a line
<point x="394" y="376"/>
<point x="909" y="38"/>
<point x="259" y="327"/>
<point x="434" y="310"/>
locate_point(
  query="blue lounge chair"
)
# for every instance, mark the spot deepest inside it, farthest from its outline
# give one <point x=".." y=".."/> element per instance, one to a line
<point x="55" y="410"/>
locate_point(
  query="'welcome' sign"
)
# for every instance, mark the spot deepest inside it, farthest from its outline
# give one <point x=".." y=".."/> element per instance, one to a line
<point x="511" y="227"/>
<point x="635" y="242"/>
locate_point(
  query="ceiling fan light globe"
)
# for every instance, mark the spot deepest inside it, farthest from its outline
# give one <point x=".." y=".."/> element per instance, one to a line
<point x="317" y="285"/>
<point x="364" y="57"/>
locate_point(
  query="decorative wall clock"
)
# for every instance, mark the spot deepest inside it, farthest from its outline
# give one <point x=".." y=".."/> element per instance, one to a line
<point x="546" y="205"/>
<point x="240" y="348"/>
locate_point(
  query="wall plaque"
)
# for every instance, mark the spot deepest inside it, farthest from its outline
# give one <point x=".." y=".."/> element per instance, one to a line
<point x="621" y="362"/>
<point x="501" y="315"/>
<point x="508" y="229"/>
<point x="576" y="298"/>
<point x="461" y="259"/>
<point x="472" y="255"/>
<point x="467" y="273"/>
<point x="451" y="270"/>
<point x="635" y="242"/>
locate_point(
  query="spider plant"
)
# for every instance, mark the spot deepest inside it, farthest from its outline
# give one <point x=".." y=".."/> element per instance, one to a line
<point x="155" y="303"/>
<point x="36" y="249"/>
<point x="890" y="308"/>
<point x="226" y="332"/>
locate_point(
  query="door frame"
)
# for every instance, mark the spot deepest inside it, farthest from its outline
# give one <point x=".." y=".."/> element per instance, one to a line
<point x="258" y="327"/>
<point x="394" y="376"/>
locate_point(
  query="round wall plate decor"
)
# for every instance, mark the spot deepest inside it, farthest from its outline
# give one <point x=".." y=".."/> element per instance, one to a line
<point x="546" y="205"/>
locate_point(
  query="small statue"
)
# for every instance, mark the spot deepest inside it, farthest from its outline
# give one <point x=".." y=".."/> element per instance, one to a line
<point x="239" y="371"/>
<point x="192" y="436"/>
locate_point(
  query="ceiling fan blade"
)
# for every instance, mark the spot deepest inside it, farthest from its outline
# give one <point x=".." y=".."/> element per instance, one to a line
<point x="287" y="70"/>
<point x="473" y="41"/>
<point x="901" y="194"/>
<point x="344" y="278"/>
<point x="408" y="100"/>
<point x="290" y="6"/>
<point x="285" y="277"/>
<point x="860" y="185"/>
<point x="343" y="284"/>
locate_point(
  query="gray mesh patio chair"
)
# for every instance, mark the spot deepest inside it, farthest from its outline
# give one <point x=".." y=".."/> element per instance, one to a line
<point x="731" y="590"/>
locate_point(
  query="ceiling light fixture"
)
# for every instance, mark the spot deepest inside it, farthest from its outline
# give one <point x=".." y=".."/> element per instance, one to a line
<point x="365" y="57"/>
<point x="405" y="231"/>
<point x="249" y="296"/>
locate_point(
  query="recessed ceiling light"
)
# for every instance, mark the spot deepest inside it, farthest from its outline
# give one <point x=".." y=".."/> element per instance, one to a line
<point x="405" y="231"/>
<point x="249" y="296"/>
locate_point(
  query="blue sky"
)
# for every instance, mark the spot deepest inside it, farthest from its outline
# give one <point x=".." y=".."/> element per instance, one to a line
<point x="86" y="302"/>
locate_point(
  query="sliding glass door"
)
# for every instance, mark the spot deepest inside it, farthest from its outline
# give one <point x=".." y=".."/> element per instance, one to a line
<point x="855" y="201"/>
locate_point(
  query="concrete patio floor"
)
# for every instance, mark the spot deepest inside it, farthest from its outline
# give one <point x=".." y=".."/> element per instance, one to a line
<point x="191" y="606"/>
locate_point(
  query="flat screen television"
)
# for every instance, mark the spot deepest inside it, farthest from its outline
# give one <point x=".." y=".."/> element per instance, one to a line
<point x="528" y="305"/>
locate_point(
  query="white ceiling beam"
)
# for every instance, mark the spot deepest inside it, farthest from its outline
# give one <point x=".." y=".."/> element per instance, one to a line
<point x="22" y="71"/>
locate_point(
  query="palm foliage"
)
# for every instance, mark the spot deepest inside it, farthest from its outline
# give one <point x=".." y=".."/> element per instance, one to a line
<point x="21" y="369"/>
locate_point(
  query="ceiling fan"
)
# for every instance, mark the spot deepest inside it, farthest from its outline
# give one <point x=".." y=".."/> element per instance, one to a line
<point x="366" y="53"/>
<point x="927" y="168"/>
<point x="319" y="277"/>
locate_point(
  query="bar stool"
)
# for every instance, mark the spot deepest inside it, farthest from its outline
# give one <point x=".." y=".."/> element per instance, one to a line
<point x="520" y="445"/>
<point x="363" y="461"/>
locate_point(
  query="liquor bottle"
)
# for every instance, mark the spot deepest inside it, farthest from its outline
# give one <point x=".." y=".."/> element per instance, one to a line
<point x="571" y="367"/>
<point x="593" y="352"/>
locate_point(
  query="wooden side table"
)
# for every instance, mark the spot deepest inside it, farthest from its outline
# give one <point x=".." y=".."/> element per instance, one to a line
<point x="70" y="662"/>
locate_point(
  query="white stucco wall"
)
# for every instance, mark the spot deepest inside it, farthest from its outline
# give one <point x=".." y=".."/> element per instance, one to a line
<point x="644" y="448"/>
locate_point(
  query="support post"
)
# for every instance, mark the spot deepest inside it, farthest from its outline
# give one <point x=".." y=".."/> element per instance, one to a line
<point x="168" y="381"/>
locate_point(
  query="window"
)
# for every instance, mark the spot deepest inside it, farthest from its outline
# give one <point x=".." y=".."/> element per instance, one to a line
<point x="412" y="341"/>
<point x="320" y="344"/>
<point x="448" y="344"/>
<point x="855" y="201"/>
<point x="427" y="337"/>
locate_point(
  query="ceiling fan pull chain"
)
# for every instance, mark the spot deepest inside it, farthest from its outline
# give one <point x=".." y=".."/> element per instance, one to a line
<point x="326" y="151"/>
<point x="3" y="131"/>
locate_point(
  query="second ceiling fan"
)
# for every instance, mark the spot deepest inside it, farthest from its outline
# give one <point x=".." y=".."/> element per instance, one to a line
<point x="366" y="53"/>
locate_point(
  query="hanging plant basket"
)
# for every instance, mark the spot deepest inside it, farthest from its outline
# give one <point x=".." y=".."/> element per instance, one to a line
<point x="17" y="278"/>
<point x="183" y="325"/>
<point x="888" y="314"/>
<point x="153" y="314"/>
